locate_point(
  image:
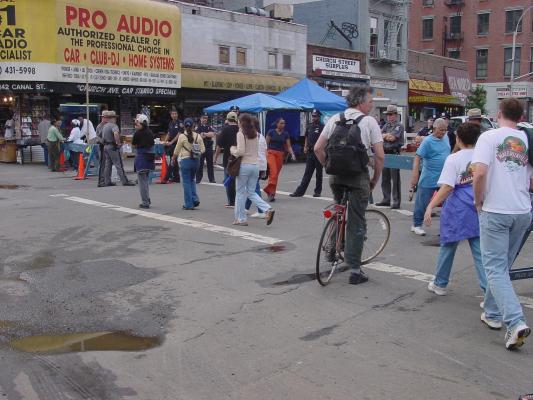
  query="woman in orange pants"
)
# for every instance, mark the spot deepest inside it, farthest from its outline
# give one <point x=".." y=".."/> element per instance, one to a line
<point x="278" y="141"/>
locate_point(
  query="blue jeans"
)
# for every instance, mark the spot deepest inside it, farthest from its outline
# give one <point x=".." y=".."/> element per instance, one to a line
<point x="230" y="189"/>
<point x="501" y="235"/>
<point x="188" y="167"/>
<point x="249" y="202"/>
<point x="445" y="262"/>
<point x="246" y="184"/>
<point x="423" y="197"/>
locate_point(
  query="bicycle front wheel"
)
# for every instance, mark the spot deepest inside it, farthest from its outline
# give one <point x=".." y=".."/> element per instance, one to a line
<point x="377" y="235"/>
<point x="327" y="256"/>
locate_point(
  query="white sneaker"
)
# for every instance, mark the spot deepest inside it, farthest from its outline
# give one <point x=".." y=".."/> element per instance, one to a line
<point x="439" y="291"/>
<point x="258" y="215"/>
<point x="418" y="231"/>
<point x="515" y="338"/>
<point x="491" y="323"/>
<point x="482" y="305"/>
<point x="248" y="212"/>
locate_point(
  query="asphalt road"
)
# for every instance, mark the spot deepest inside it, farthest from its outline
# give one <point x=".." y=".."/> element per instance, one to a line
<point x="227" y="315"/>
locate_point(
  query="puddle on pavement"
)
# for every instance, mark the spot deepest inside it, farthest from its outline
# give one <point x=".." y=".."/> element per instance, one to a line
<point x="10" y="187"/>
<point x="79" y="342"/>
<point x="275" y="248"/>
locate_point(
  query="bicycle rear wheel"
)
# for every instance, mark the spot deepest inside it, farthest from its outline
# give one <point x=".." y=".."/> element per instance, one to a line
<point x="328" y="259"/>
<point x="377" y="235"/>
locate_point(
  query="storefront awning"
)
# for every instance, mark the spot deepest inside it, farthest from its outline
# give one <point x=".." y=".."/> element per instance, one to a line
<point x="420" y="97"/>
<point x="221" y="80"/>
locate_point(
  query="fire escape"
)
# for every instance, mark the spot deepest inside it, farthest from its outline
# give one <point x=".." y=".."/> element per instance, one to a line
<point x="390" y="49"/>
<point x="453" y="35"/>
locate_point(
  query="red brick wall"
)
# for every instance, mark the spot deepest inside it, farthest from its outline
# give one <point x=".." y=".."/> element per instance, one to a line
<point x="495" y="41"/>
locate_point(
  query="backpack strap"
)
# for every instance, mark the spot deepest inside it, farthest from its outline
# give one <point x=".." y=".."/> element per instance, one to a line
<point x="342" y="119"/>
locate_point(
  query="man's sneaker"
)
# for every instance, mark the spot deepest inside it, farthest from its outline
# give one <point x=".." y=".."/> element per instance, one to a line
<point x="418" y="231"/>
<point x="515" y="337"/>
<point x="439" y="291"/>
<point x="383" y="204"/>
<point x="269" y="216"/>
<point x="356" y="279"/>
<point x="491" y="323"/>
<point x="258" y="215"/>
<point x="129" y="183"/>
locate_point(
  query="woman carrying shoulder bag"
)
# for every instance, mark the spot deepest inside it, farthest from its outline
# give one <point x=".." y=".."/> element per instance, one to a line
<point x="143" y="140"/>
<point x="188" y="151"/>
<point x="247" y="148"/>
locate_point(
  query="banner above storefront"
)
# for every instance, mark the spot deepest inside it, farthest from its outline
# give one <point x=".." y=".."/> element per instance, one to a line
<point x="458" y="83"/>
<point x="334" y="66"/>
<point x="219" y="80"/>
<point x="428" y="86"/>
<point x="119" y="42"/>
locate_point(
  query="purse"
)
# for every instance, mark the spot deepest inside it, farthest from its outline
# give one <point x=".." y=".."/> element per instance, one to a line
<point x="234" y="166"/>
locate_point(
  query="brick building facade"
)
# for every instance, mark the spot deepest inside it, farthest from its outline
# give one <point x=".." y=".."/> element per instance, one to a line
<point x="481" y="33"/>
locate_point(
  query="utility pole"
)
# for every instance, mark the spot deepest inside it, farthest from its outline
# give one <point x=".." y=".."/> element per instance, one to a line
<point x="514" y="52"/>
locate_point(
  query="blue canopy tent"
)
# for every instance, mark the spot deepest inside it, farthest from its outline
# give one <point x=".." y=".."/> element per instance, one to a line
<point x="307" y="92"/>
<point x="256" y="103"/>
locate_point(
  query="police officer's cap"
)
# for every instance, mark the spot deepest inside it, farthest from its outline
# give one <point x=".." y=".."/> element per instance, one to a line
<point x="316" y="112"/>
<point x="234" y="108"/>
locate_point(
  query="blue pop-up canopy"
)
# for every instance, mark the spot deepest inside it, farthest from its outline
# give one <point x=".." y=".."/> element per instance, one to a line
<point x="308" y="92"/>
<point x="256" y="103"/>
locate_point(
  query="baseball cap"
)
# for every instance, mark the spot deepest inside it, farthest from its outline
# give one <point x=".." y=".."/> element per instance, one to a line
<point x="232" y="116"/>
<point x="188" y="122"/>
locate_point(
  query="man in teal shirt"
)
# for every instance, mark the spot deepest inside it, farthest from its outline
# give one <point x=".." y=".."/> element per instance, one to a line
<point x="54" y="140"/>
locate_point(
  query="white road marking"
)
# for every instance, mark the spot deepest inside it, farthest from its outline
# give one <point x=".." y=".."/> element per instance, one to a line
<point x="423" y="277"/>
<point x="308" y="196"/>
<point x="180" y="221"/>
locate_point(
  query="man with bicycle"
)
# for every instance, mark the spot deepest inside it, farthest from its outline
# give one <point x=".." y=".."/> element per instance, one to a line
<point x="359" y="184"/>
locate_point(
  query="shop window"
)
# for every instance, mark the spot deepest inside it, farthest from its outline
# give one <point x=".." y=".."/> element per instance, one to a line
<point x="482" y="63"/>
<point x="454" y="54"/>
<point x="483" y="24"/>
<point x="455" y="24"/>
<point x="287" y="60"/>
<point x="223" y="55"/>
<point x="272" y="60"/>
<point x="427" y="28"/>
<point x="511" y="21"/>
<point x="507" y="61"/>
<point x="241" y="56"/>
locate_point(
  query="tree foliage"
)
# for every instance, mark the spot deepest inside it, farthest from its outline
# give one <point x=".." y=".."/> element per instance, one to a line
<point x="477" y="98"/>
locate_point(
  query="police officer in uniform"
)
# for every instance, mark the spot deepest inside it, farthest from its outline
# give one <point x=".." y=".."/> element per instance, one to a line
<point x="175" y="127"/>
<point x="111" y="138"/>
<point x="208" y="135"/>
<point x="392" y="133"/>
<point x="100" y="142"/>
<point x="312" y="133"/>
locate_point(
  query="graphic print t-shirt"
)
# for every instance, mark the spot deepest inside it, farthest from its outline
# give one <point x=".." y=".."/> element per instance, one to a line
<point x="458" y="169"/>
<point x="504" y="151"/>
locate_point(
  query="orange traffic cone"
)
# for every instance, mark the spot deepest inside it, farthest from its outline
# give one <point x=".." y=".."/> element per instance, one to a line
<point x="62" y="167"/>
<point x="163" y="169"/>
<point x="81" y="168"/>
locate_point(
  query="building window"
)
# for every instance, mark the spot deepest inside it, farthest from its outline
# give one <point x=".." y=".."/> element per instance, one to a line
<point x="455" y="24"/>
<point x="531" y="61"/>
<point x="386" y="32"/>
<point x="241" y="56"/>
<point x="272" y="60"/>
<point x="511" y="19"/>
<point x="287" y="61"/>
<point x="399" y="36"/>
<point x="507" y="57"/>
<point x="428" y="3"/>
<point x="223" y="54"/>
<point x="454" y="54"/>
<point x="482" y="63"/>
<point x="483" y="24"/>
<point x="427" y="28"/>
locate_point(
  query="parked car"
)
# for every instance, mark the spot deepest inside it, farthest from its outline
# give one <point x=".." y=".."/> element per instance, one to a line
<point x="486" y="123"/>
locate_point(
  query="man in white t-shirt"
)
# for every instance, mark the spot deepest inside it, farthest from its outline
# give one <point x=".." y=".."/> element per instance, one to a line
<point x="360" y="103"/>
<point x="87" y="129"/>
<point x="502" y="180"/>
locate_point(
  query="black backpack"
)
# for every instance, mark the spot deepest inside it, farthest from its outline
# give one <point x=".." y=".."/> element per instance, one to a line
<point x="529" y="134"/>
<point x="345" y="153"/>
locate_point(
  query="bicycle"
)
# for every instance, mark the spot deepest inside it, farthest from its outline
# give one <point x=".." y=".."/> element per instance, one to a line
<point x="330" y="254"/>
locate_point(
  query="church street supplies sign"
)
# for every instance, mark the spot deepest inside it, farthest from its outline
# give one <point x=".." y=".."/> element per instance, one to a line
<point x="333" y="66"/>
<point x="117" y="42"/>
<point x="458" y="83"/>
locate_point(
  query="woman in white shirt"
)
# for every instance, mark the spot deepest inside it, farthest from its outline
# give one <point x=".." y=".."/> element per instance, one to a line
<point x="246" y="182"/>
<point x="262" y="164"/>
<point x="75" y="137"/>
